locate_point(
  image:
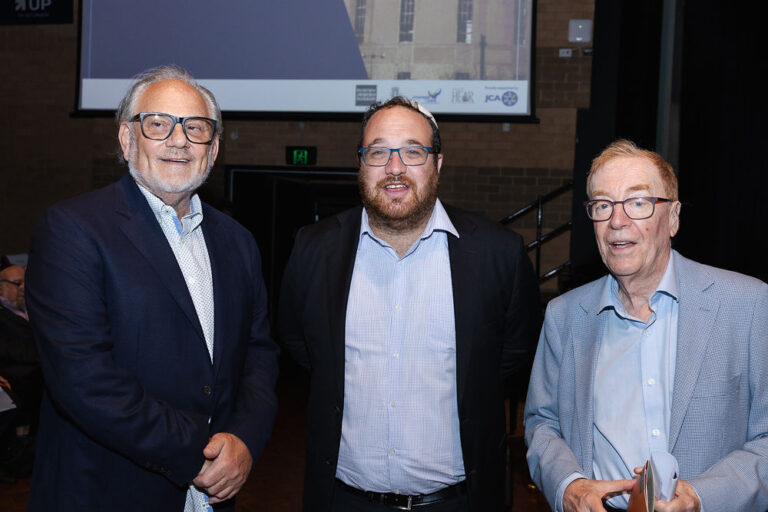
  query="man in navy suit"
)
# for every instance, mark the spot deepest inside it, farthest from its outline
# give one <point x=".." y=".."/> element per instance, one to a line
<point x="149" y="312"/>
<point x="409" y="315"/>
<point x="663" y="359"/>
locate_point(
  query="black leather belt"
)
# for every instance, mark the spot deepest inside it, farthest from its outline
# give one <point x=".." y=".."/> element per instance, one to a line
<point x="406" y="501"/>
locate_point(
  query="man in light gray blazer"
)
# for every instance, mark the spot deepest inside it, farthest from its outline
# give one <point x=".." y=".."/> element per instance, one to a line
<point x="662" y="356"/>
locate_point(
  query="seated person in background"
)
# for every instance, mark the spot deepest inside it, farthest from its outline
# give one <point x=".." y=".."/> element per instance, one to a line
<point x="16" y="450"/>
<point x="7" y="421"/>
<point x="663" y="355"/>
<point x="12" y="291"/>
<point x="18" y="357"/>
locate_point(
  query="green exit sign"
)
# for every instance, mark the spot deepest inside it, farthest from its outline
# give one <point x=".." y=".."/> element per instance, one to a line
<point x="300" y="155"/>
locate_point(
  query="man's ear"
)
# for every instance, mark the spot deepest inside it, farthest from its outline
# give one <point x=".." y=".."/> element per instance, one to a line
<point x="674" y="218"/>
<point x="125" y="136"/>
<point x="214" y="149"/>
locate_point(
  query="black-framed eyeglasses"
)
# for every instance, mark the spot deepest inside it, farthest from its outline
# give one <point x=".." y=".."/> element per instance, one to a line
<point x="17" y="283"/>
<point x="636" y="208"/>
<point x="379" y="156"/>
<point x="159" y="126"/>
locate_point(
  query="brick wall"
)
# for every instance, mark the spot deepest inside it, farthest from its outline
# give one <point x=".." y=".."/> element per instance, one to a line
<point x="48" y="155"/>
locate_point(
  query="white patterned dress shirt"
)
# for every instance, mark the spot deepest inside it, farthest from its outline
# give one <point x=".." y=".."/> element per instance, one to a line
<point x="186" y="239"/>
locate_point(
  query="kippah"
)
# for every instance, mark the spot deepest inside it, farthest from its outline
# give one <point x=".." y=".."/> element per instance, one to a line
<point x="423" y="110"/>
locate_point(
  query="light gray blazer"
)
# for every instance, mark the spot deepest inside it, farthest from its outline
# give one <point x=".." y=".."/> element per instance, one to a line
<point x="719" y="421"/>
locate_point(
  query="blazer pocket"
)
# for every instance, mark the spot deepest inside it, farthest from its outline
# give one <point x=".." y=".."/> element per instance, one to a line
<point x="719" y="387"/>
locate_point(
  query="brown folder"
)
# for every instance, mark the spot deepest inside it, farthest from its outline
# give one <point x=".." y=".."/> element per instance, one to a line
<point x="642" y="497"/>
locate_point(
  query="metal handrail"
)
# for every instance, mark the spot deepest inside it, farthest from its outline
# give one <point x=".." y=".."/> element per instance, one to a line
<point x="543" y="238"/>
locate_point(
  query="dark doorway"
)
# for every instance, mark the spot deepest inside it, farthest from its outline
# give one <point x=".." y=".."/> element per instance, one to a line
<point x="274" y="202"/>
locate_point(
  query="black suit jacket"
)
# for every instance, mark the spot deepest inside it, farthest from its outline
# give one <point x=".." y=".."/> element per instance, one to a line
<point x="130" y="384"/>
<point x="496" y="309"/>
<point x="17" y="346"/>
<point x="20" y="365"/>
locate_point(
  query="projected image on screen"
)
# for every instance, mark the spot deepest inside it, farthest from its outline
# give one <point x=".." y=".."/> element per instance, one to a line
<point x="336" y="56"/>
<point x="442" y="40"/>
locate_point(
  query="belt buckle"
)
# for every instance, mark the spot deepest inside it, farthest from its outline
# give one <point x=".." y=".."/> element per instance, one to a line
<point x="407" y="506"/>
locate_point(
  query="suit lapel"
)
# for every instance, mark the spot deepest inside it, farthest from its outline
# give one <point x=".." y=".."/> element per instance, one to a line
<point x="464" y="279"/>
<point x="695" y="319"/>
<point x="340" y="264"/>
<point x="586" y="348"/>
<point x="216" y="245"/>
<point x="138" y="223"/>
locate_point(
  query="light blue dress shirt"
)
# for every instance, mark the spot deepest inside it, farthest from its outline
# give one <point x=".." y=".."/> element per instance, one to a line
<point x="633" y="383"/>
<point x="400" y="427"/>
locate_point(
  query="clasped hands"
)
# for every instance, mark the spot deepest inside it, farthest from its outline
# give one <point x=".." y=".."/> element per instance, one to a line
<point x="226" y="468"/>
<point x="584" y="495"/>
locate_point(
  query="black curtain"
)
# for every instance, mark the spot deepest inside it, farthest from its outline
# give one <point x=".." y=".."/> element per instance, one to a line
<point x="625" y="78"/>
<point x="723" y="168"/>
<point x="719" y="87"/>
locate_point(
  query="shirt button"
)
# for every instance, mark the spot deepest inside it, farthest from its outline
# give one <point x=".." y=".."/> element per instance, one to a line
<point x="392" y="404"/>
<point x="207" y="390"/>
<point x="651" y="382"/>
<point x="392" y="451"/>
<point x="399" y="263"/>
<point x="397" y="307"/>
<point x="395" y="355"/>
<point x="655" y="432"/>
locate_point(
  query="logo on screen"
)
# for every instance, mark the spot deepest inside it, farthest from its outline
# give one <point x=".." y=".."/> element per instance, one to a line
<point x="431" y="97"/>
<point x="508" y="98"/>
<point x="461" y="95"/>
<point x="365" y="95"/>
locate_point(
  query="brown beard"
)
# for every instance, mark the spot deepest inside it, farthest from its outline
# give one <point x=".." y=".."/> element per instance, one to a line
<point x="398" y="214"/>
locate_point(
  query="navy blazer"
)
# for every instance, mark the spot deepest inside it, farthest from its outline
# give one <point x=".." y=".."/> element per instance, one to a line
<point x="496" y="310"/>
<point x="130" y="384"/>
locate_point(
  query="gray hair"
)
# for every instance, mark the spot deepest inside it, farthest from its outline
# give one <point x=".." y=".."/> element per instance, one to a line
<point x="125" y="111"/>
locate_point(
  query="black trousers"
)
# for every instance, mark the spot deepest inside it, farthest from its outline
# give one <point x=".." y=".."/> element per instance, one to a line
<point x="345" y="501"/>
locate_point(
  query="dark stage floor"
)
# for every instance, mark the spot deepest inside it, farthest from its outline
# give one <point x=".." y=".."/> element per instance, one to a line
<point x="276" y="481"/>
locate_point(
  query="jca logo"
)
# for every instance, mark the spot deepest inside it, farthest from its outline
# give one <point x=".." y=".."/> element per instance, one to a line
<point x="32" y="5"/>
<point x="509" y="98"/>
